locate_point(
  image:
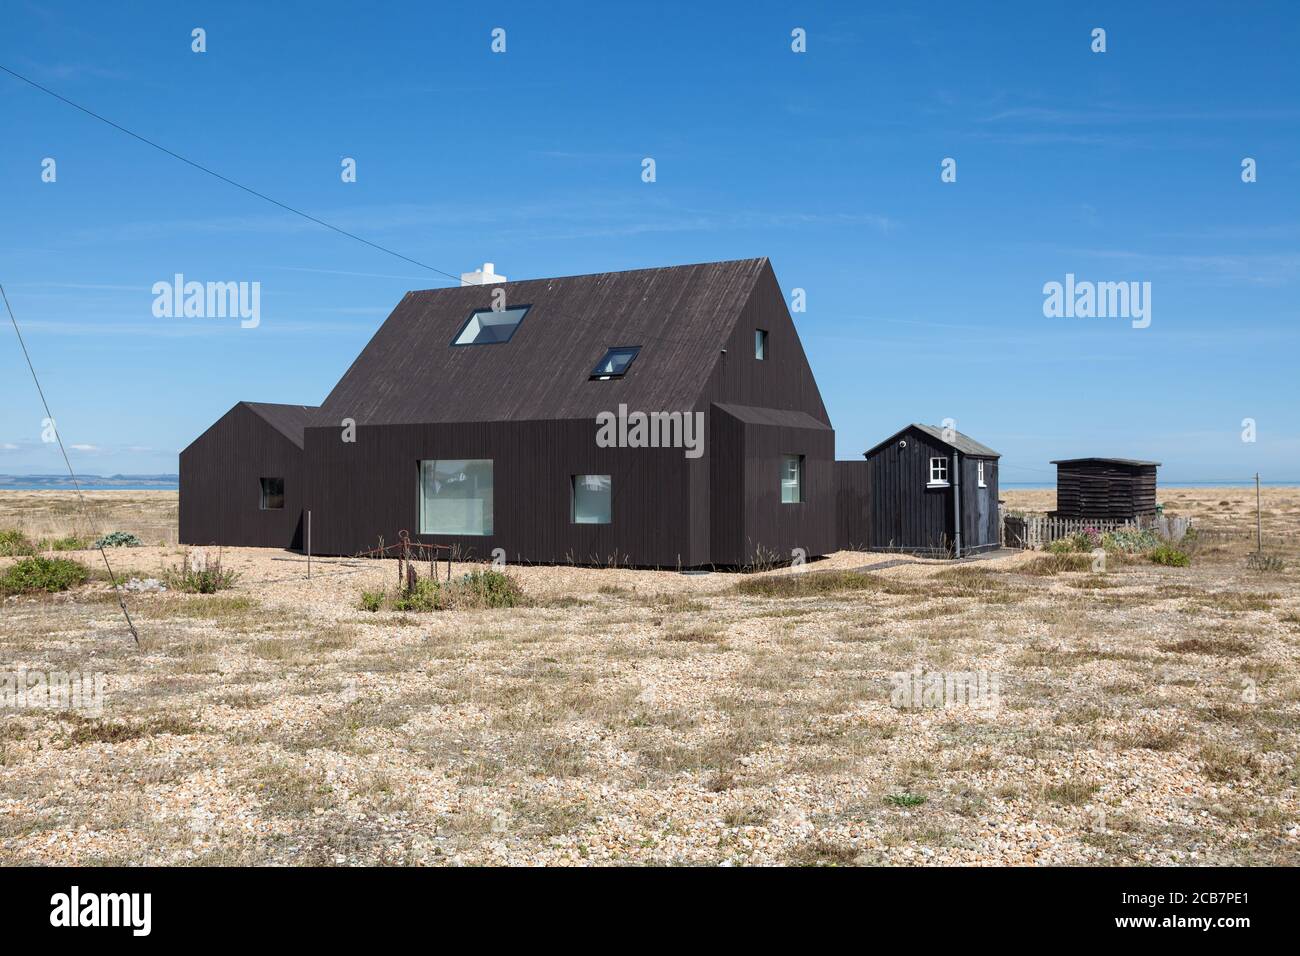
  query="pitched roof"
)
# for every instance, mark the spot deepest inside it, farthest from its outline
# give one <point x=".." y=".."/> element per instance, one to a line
<point x="772" y="416"/>
<point x="680" y="316"/>
<point x="961" y="443"/>
<point x="288" y="420"/>
<point x="1109" y="461"/>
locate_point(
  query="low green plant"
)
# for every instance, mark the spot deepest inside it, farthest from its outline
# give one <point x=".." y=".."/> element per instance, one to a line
<point x="13" y="543"/>
<point x="207" y="580"/>
<point x="490" y="588"/>
<point x="905" y="799"/>
<point x="1169" y="556"/>
<point x="473" y="591"/>
<point x="35" y="574"/>
<point x="70" y="543"/>
<point x="1129" y="540"/>
<point x="118" y="539"/>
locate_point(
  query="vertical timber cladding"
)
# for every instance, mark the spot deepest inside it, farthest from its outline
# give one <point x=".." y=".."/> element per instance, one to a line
<point x="751" y="520"/>
<point x="370" y="489"/>
<point x="905" y="514"/>
<point x="853" y="504"/>
<point x="220" y="490"/>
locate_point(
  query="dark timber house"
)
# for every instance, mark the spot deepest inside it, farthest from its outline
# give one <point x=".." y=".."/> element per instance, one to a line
<point x="508" y="415"/>
<point x="924" y="491"/>
<point x="1111" y="488"/>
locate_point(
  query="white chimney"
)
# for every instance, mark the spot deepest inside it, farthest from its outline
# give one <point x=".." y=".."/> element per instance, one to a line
<point x="485" y="276"/>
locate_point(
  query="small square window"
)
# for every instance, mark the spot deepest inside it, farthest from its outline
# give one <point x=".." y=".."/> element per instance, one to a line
<point x="615" y="363"/>
<point x="488" y="326"/>
<point x="938" y="471"/>
<point x="791" y="479"/>
<point x="760" y="344"/>
<point x="592" y="499"/>
<point x="979" y="466"/>
<point x="272" y="494"/>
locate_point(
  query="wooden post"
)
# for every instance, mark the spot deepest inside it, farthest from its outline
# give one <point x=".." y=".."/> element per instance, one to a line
<point x="1259" y="525"/>
<point x="309" y="545"/>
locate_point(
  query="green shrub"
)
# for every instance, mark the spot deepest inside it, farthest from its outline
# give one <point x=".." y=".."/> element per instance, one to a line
<point x="14" y="543"/>
<point x="1059" y="546"/>
<point x="118" y="539"/>
<point x="1129" y="541"/>
<point x="210" y="580"/>
<point x="490" y="588"/>
<point x="473" y="591"/>
<point x="31" y="575"/>
<point x="1170" y="556"/>
<point x="71" y="543"/>
<point x="427" y="595"/>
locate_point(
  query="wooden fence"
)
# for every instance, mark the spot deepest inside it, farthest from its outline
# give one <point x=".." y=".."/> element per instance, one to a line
<point x="1038" y="531"/>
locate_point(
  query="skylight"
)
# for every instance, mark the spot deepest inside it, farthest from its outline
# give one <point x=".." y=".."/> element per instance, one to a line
<point x="487" y="326"/>
<point x="615" y="363"/>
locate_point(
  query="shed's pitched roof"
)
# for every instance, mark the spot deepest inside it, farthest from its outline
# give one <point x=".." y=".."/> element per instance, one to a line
<point x="1108" y="461"/>
<point x="680" y="316"/>
<point x="288" y="420"/>
<point x="961" y="443"/>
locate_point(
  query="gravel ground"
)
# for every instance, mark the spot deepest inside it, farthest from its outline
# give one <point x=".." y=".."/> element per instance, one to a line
<point x="1143" y="715"/>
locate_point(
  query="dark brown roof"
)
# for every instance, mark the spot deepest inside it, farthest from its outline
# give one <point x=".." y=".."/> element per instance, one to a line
<point x="772" y="416"/>
<point x="680" y="316"/>
<point x="1109" y="461"/>
<point x="288" y="420"/>
<point x="962" y="443"/>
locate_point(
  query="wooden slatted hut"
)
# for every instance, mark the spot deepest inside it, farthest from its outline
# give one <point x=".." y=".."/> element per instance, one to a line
<point x="1114" y="488"/>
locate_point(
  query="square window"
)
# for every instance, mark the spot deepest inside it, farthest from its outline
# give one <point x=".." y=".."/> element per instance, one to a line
<point x="488" y="326"/>
<point x="272" y="494"/>
<point x="938" y="471"/>
<point x="791" y="479"/>
<point x="592" y="499"/>
<point x="760" y="344"/>
<point x="456" y="496"/>
<point x="615" y="363"/>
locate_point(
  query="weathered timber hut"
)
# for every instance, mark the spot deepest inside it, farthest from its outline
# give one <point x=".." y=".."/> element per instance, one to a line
<point x="1112" y="488"/>
<point x="924" y="490"/>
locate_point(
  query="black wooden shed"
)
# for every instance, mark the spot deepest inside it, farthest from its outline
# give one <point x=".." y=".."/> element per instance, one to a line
<point x="1110" y="488"/>
<point x="923" y="490"/>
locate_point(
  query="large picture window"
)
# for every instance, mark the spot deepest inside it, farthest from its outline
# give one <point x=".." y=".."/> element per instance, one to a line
<point x="791" y="479"/>
<point x="456" y="496"/>
<point x="592" y="499"/>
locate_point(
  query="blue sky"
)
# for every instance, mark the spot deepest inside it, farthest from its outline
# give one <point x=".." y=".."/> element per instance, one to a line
<point x="924" y="298"/>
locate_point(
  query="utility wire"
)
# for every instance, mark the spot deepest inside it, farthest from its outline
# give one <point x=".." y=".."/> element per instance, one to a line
<point x="251" y="191"/>
<point x="117" y="590"/>
<point x="225" y="179"/>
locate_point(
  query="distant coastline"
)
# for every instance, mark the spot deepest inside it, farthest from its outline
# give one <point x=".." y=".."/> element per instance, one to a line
<point x="90" y="482"/>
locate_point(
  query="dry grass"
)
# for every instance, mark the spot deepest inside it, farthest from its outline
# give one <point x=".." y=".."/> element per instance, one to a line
<point x="649" y="717"/>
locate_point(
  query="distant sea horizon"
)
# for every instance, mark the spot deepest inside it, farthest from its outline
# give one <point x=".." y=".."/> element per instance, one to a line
<point x="90" y="482"/>
<point x="172" y="483"/>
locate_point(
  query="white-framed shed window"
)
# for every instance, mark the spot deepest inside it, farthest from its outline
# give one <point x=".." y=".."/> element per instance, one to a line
<point x="760" y="344"/>
<point x="791" y="479"/>
<point x="979" y="465"/>
<point x="938" y="471"/>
